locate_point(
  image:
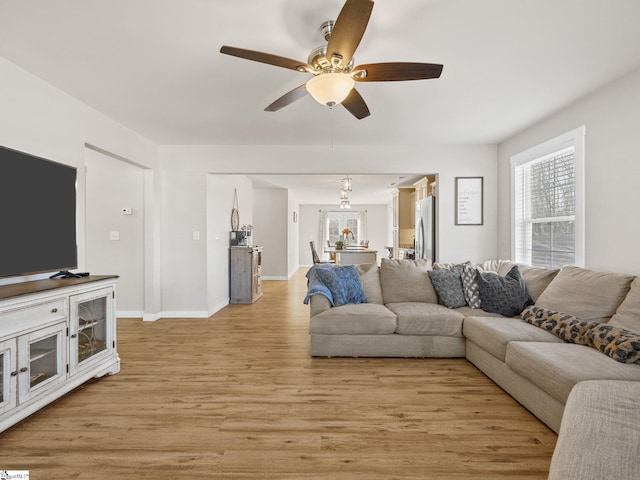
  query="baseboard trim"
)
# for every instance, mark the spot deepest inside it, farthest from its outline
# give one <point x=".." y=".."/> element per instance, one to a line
<point x="129" y="314"/>
<point x="151" y="317"/>
<point x="148" y="317"/>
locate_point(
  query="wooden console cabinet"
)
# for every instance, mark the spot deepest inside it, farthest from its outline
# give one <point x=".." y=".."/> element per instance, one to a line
<point x="54" y="336"/>
<point x="245" y="271"/>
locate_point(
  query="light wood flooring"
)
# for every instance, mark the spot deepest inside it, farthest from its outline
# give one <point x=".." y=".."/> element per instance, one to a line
<point x="237" y="396"/>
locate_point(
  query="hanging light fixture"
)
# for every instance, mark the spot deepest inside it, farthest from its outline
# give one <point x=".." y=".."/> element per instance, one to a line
<point x="345" y="204"/>
<point x="330" y="88"/>
<point x="346" y="184"/>
<point x="344" y="195"/>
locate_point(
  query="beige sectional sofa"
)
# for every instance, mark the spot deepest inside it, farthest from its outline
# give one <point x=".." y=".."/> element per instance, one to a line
<point x="599" y="436"/>
<point x="405" y="319"/>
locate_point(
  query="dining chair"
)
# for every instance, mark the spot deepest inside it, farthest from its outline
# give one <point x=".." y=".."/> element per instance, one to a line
<point x="314" y="254"/>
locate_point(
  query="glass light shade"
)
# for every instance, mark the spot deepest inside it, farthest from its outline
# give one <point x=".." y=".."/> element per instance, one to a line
<point x="346" y="184"/>
<point x="345" y="204"/>
<point x="330" y="88"/>
<point x="344" y="195"/>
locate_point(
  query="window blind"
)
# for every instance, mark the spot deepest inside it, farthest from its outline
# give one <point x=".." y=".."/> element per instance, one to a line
<point x="545" y="208"/>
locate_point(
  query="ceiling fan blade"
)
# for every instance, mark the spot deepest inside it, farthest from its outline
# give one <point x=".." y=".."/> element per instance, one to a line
<point x="290" y="97"/>
<point x="349" y="29"/>
<point x="396" y="71"/>
<point x="355" y="104"/>
<point x="267" y="58"/>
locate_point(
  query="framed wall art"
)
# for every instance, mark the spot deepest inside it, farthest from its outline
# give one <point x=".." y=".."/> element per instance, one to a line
<point x="469" y="201"/>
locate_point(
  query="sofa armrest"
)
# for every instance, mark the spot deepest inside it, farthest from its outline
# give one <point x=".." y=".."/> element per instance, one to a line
<point x="599" y="436"/>
<point x="318" y="304"/>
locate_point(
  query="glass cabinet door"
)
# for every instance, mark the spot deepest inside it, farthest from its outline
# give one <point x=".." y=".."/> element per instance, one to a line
<point x="90" y="336"/>
<point x="8" y="375"/>
<point x="42" y="360"/>
<point x="92" y="328"/>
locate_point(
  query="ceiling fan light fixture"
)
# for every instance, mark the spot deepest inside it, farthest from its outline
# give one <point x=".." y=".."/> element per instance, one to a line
<point x="330" y="88"/>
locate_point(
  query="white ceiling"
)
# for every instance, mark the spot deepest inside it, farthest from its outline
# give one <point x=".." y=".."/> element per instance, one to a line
<point x="155" y="66"/>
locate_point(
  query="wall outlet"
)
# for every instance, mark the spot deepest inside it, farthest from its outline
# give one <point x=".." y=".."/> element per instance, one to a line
<point x="127" y="210"/>
<point x="114" y="235"/>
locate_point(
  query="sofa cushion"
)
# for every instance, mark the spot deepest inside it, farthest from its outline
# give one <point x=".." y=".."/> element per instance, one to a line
<point x="477" y="312"/>
<point x="448" y="285"/>
<point x="557" y="367"/>
<point x="537" y="279"/>
<point x="343" y="283"/>
<point x="415" y="318"/>
<point x="620" y="344"/>
<point x="493" y="334"/>
<point x="362" y="318"/>
<point x="587" y="294"/>
<point x="562" y="325"/>
<point x="501" y="267"/>
<point x="628" y="313"/>
<point x="504" y="295"/>
<point x="370" y="279"/>
<point x="406" y="281"/>
<point x="599" y="436"/>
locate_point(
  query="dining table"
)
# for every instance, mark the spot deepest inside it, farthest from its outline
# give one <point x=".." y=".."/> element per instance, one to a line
<point x="353" y="255"/>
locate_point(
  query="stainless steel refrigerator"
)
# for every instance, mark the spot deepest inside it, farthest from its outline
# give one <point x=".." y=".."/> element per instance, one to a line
<point x="425" y="229"/>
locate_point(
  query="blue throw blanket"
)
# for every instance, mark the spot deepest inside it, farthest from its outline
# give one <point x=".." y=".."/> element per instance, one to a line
<point x="341" y="285"/>
<point x="315" y="286"/>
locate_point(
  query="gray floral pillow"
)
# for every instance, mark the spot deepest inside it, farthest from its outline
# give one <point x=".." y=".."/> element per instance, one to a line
<point x="470" y="285"/>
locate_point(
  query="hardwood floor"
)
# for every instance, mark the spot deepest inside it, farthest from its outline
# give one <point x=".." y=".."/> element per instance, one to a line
<point x="237" y="396"/>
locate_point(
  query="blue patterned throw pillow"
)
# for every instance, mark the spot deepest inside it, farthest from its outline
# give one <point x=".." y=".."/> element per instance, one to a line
<point x="344" y="284"/>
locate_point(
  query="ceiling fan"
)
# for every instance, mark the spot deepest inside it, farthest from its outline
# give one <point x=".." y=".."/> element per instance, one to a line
<point x="332" y="65"/>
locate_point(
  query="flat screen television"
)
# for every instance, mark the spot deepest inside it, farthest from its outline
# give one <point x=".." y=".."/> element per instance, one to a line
<point x="38" y="221"/>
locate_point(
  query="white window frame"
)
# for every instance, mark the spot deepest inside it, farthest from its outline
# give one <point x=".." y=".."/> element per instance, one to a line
<point x="574" y="138"/>
<point x="342" y="216"/>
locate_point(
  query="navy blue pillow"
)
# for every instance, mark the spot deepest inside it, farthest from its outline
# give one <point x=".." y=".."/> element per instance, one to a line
<point x="344" y="284"/>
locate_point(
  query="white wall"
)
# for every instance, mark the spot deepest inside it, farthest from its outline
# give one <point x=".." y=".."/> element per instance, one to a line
<point x="612" y="163"/>
<point x="271" y="231"/>
<point x="37" y="118"/>
<point x="220" y="195"/>
<point x="294" y="235"/>
<point x="112" y="184"/>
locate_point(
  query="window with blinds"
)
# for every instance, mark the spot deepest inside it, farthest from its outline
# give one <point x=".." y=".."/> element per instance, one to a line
<point x="547" y="205"/>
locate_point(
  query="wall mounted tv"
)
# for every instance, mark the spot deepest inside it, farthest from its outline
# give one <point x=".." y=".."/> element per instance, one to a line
<point x="38" y="222"/>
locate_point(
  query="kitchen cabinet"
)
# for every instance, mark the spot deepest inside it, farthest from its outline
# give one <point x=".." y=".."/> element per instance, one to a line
<point x="425" y="186"/>
<point x="404" y="218"/>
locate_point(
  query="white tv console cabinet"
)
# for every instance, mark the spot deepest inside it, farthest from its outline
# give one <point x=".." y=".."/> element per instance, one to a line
<point x="54" y="336"/>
